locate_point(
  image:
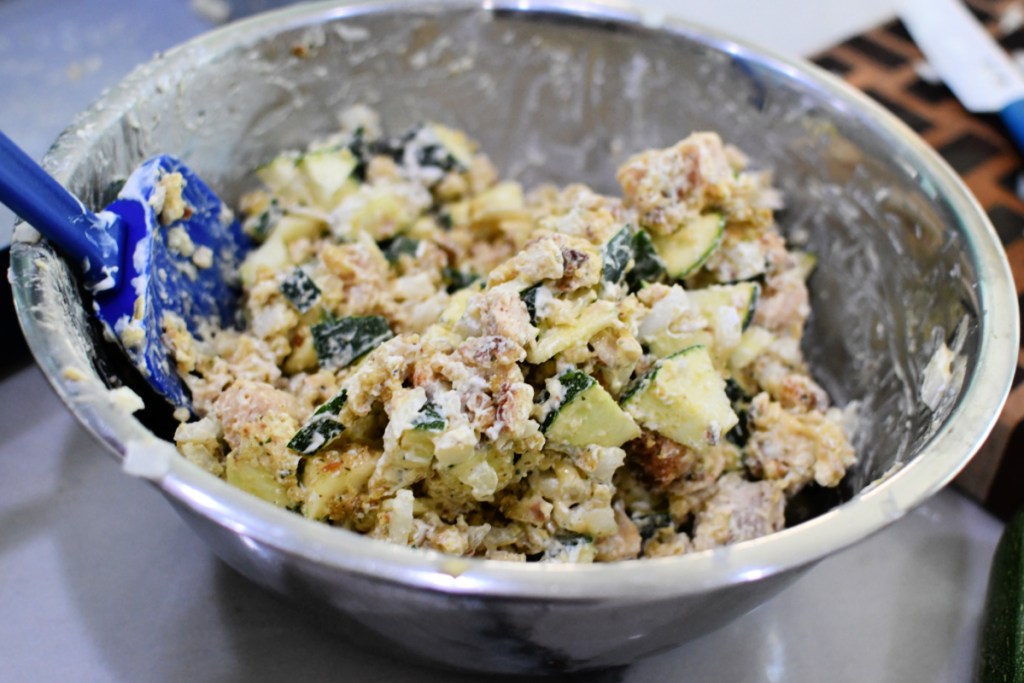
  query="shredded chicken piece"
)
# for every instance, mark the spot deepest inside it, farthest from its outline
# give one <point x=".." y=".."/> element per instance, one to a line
<point x="740" y="510"/>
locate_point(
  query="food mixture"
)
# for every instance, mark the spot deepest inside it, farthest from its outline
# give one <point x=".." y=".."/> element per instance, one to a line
<point x="434" y="357"/>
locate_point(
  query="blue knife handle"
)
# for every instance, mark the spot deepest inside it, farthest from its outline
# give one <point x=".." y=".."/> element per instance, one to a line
<point x="95" y="242"/>
<point x="1013" y="117"/>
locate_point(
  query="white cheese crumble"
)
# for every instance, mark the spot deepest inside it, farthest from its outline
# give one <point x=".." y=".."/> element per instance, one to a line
<point x="937" y="376"/>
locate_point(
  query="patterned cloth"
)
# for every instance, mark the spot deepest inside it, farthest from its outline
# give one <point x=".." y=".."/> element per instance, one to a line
<point x="885" y="64"/>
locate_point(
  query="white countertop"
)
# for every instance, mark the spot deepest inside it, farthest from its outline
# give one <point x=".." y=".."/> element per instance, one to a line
<point x="100" y="581"/>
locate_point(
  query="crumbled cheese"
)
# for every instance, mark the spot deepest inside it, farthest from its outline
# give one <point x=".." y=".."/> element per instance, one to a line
<point x="203" y="257"/>
<point x="664" y="313"/>
<point x="74" y="374"/>
<point x="179" y="242"/>
<point x="126" y="399"/>
<point x="937" y="376"/>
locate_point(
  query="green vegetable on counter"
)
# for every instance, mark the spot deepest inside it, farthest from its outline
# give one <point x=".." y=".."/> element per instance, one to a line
<point x="1002" y="640"/>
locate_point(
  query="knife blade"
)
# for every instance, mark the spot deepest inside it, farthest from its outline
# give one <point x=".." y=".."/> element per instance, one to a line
<point x="969" y="60"/>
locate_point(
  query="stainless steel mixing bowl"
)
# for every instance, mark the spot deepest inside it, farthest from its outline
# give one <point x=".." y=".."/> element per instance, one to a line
<point x="559" y="92"/>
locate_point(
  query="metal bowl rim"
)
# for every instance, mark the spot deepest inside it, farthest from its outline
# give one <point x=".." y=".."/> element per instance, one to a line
<point x="947" y="452"/>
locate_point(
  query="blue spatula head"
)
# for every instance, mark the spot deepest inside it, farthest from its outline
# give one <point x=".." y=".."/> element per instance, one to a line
<point x="180" y="259"/>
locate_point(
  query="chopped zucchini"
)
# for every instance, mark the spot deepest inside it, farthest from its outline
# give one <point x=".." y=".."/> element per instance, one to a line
<point x="456" y="144"/>
<point x="444" y="220"/>
<point x="569" y="547"/>
<point x="587" y="414"/>
<point x="594" y="318"/>
<point x="331" y="477"/>
<point x="456" y="280"/>
<point x="616" y="254"/>
<point x="363" y="150"/>
<point x="683" y="398"/>
<point x="272" y="255"/>
<point x="319" y="431"/>
<point x="437" y="156"/>
<point x="291" y="227"/>
<point x="686" y="250"/>
<point x="753" y="343"/>
<point x="396" y="246"/>
<point x="457" y="214"/>
<point x="259" y="224"/>
<point x="342" y="341"/>
<point x="417" y="442"/>
<point x="248" y="475"/>
<point x="298" y="287"/>
<point x="303" y="355"/>
<point x="414" y="423"/>
<point x="321" y="428"/>
<point x="429" y="419"/>
<point x="806" y="263"/>
<point x="456" y="307"/>
<point x="740" y="400"/>
<point x="741" y="296"/>
<point x="647" y="265"/>
<point x="665" y="344"/>
<point x="440" y="335"/>
<point x="726" y="309"/>
<point x="648" y="523"/>
<point x="326" y="172"/>
<point x="673" y="324"/>
<point x="433" y="145"/>
<point x="380" y="212"/>
<point x="529" y="297"/>
<point x="503" y="200"/>
<point x="281" y="176"/>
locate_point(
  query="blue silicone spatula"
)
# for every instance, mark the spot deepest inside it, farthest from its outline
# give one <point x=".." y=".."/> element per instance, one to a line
<point x="137" y="269"/>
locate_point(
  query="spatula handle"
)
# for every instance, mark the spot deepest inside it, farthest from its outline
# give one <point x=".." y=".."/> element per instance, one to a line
<point x="85" y="238"/>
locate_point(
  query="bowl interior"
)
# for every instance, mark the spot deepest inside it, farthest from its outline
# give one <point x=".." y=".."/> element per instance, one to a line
<point x="561" y="96"/>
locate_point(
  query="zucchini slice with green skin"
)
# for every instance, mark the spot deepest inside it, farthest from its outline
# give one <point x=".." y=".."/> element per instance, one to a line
<point x="724" y="307"/>
<point x="647" y="265"/>
<point x="1002" y="638"/>
<point x="529" y="297"/>
<point x="321" y="428"/>
<point x="298" y="287"/>
<point x="259" y="225"/>
<point x="339" y="342"/>
<point x="569" y="547"/>
<point x="429" y="419"/>
<point x="418" y="441"/>
<point x="594" y="318"/>
<point x="587" y="415"/>
<point x="616" y="254"/>
<point x="741" y="296"/>
<point x="455" y="280"/>
<point x="686" y="250"/>
<point x="683" y="398"/>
